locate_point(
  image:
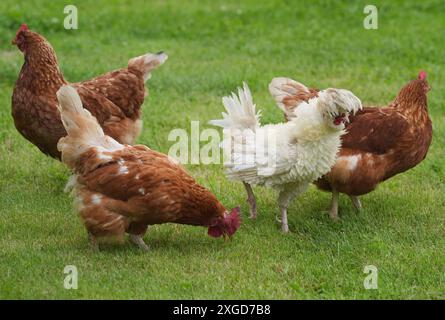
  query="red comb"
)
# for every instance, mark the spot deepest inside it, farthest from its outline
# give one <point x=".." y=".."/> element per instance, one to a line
<point x="422" y="75"/>
<point x="235" y="217"/>
<point x="23" y="27"/>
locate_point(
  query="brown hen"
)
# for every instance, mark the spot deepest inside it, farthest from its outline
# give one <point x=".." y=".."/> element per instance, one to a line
<point x="122" y="189"/>
<point x="379" y="144"/>
<point x="114" y="98"/>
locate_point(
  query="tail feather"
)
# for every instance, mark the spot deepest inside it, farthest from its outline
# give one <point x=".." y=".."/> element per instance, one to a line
<point x="288" y="94"/>
<point x="83" y="130"/>
<point x="76" y="120"/>
<point x="241" y="113"/>
<point x="147" y="62"/>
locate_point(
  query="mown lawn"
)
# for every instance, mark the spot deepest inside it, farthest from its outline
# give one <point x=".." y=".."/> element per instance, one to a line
<point x="213" y="46"/>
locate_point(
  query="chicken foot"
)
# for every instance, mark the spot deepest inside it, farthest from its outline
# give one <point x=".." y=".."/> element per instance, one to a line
<point x="251" y="201"/>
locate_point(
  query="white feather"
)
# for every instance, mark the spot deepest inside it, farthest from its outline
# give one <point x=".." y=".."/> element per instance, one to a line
<point x="298" y="152"/>
<point x="241" y="112"/>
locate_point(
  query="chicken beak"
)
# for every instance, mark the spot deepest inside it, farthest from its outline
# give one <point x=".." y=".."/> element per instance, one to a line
<point x="13" y="42"/>
<point x="162" y="57"/>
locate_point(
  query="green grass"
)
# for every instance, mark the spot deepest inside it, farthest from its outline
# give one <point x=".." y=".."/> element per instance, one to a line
<point x="214" y="46"/>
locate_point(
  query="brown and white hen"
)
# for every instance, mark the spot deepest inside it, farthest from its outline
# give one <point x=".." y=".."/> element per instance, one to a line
<point x="122" y="189"/>
<point x="114" y="98"/>
<point x="379" y="143"/>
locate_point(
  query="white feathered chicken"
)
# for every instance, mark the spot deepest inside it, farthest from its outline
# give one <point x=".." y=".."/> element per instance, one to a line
<point x="286" y="156"/>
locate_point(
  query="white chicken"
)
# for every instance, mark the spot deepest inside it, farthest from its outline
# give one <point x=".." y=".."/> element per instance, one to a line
<point x="286" y="156"/>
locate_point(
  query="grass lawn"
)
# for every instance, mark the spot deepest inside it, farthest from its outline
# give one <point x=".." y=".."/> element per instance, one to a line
<point x="213" y="46"/>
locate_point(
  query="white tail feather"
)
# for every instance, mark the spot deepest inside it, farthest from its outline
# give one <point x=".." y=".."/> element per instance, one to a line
<point x="241" y="112"/>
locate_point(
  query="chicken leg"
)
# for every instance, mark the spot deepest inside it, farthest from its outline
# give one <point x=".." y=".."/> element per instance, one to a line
<point x="137" y="240"/>
<point x="356" y="202"/>
<point x="284" y="224"/>
<point x="136" y="231"/>
<point x="251" y="201"/>
<point x="286" y="195"/>
<point x="333" y="212"/>
<point x="94" y="245"/>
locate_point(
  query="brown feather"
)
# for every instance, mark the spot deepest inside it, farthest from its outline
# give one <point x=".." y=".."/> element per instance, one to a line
<point x="385" y="141"/>
<point x="122" y="188"/>
<point x="114" y="98"/>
